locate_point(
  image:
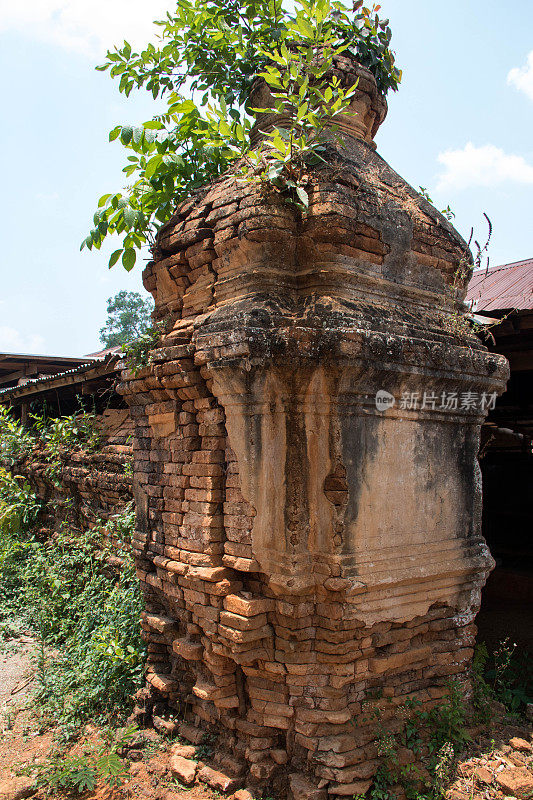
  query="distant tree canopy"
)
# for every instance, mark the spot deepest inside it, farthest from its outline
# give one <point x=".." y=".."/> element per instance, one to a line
<point x="128" y="318"/>
<point x="203" y="65"/>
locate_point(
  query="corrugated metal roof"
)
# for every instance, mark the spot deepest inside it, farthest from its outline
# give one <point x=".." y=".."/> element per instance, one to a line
<point x="504" y="287"/>
<point x="14" y="366"/>
<point x="99" y="366"/>
<point x="35" y="357"/>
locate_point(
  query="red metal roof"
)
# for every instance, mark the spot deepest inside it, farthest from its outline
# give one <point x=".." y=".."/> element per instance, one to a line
<point x="106" y="352"/>
<point x="504" y="287"/>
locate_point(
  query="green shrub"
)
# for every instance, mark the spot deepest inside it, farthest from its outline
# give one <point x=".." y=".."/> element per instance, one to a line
<point x="70" y="432"/>
<point x="62" y="435"/>
<point x="16" y="441"/>
<point x="94" y="617"/>
<point x="63" y="588"/>
<point x="19" y="505"/>
<point x="433" y="736"/>
<point x="505" y="675"/>
<point x="19" y="508"/>
<point x="56" y="436"/>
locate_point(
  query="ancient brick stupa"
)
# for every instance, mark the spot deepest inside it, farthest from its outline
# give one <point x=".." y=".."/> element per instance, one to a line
<point x="301" y="543"/>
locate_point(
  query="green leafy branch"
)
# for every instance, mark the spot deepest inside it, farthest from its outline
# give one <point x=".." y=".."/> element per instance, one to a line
<point x="307" y="98"/>
<point x="209" y="57"/>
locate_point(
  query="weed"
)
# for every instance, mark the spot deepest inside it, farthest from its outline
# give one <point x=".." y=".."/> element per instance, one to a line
<point x="19" y="509"/>
<point x="432" y="736"/>
<point x="482" y="693"/>
<point x="510" y="674"/>
<point x="119" y="527"/>
<point x="66" y="733"/>
<point x="81" y="772"/>
<point x="19" y="506"/>
<point x="152" y="747"/>
<point x="137" y="353"/>
<point x="456" y="318"/>
<point x="506" y="675"/>
<point x="15" y="440"/>
<point x="62" y="588"/>
<point x="446" y="212"/>
<point x="95" y="618"/>
<point x="73" y="773"/>
<point x="204" y="752"/>
<point x="55" y="437"/>
<point x="60" y="436"/>
<point x="176" y="784"/>
<point x="443" y="768"/>
<point x="79" y="430"/>
<point x="447" y="721"/>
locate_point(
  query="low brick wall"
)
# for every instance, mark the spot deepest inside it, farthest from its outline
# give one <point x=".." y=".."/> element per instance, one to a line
<point x="89" y="487"/>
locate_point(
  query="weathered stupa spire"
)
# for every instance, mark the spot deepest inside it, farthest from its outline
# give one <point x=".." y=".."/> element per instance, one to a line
<point x="361" y="120"/>
<point x="308" y="490"/>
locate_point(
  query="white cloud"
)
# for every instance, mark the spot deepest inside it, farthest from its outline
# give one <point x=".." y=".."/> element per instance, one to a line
<point x="13" y="341"/>
<point x="481" y="166"/>
<point x="522" y="77"/>
<point x="87" y="26"/>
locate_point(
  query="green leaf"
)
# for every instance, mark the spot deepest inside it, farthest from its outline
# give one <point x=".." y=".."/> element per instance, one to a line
<point x="275" y="171"/>
<point x="152" y="166"/>
<point x="115" y="257"/>
<point x="303" y="196"/>
<point x="224" y="128"/>
<point x="126" y="134"/>
<point x="137" y="135"/>
<point x="302" y="111"/>
<point x="130" y="216"/>
<point x="128" y="258"/>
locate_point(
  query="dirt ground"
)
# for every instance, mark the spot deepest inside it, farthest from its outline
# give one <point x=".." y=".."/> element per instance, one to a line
<point x="23" y="743"/>
<point x="499" y="764"/>
<point x="19" y="739"/>
<point x="17" y="675"/>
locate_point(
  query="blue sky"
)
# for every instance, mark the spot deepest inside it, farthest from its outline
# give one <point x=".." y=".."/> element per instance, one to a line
<point x="461" y="125"/>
